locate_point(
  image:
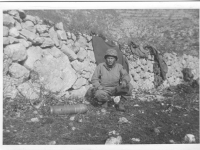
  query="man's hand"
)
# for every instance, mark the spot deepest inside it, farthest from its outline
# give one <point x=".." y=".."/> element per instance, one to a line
<point x="123" y="84"/>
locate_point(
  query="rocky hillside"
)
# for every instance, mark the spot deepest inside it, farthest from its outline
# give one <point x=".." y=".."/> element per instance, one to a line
<point x="42" y="57"/>
<point x="175" y="30"/>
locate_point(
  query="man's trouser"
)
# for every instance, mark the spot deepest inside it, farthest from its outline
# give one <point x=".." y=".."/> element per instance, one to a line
<point x="106" y="93"/>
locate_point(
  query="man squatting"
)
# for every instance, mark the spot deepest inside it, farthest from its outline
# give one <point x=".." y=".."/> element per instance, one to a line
<point x="111" y="79"/>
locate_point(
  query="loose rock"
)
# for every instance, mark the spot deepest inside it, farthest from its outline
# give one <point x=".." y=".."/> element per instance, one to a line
<point x="189" y="138"/>
<point x="34" y="120"/>
<point x="18" y="71"/>
<point x="113" y="140"/>
<point x="16" y="51"/>
<point x="61" y="35"/>
<point x="135" y="140"/>
<point x="59" y="26"/>
<point x="66" y="50"/>
<point x="123" y="120"/>
<point x="48" y="42"/>
<point x="28" y="34"/>
<point x="81" y="54"/>
<point x="8" y="21"/>
<point x="14" y="32"/>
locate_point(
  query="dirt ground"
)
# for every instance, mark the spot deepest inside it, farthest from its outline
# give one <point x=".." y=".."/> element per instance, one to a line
<point x="153" y="117"/>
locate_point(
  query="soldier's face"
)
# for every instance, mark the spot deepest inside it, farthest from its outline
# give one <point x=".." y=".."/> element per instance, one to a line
<point x="110" y="60"/>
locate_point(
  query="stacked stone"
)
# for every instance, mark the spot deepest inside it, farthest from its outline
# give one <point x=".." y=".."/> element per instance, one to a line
<point x="176" y="64"/>
<point x="141" y="71"/>
<point x="63" y="61"/>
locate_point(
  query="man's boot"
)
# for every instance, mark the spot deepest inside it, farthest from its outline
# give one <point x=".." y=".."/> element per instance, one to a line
<point x="120" y="106"/>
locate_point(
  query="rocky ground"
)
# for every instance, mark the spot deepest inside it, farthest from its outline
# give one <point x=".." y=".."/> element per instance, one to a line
<point x="150" y="118"/>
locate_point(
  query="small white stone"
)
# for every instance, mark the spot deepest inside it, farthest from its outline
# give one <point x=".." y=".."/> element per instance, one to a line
<point x="135" y="140"/>
<point x="73" y="128"/>
<point x="117" y="99"/>
<point x="34" y="120"/>
<point x="157" y="130"/>
<point x="171" y="141"/>
<point x="80" y="120"/>
<point x="103" y="111"/>
<point x="123" y="120"/>
<point x="52" y="143"/>
<point x="113" y="140"/>
<point x="189" y="138"/>
<point x="72" y="118"/>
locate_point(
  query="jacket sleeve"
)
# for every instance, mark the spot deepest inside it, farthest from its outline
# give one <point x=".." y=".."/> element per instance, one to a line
<point x="96" y="77"/>
<point x="124" y="75"/>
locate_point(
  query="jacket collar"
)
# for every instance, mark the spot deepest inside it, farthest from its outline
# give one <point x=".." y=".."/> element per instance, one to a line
<point x="108" y="68"/>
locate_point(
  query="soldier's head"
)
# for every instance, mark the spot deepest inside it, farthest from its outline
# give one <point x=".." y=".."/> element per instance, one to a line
<point x="111" y="57"/>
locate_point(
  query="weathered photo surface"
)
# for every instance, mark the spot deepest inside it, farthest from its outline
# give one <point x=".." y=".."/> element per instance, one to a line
<point x="100" y="76"/>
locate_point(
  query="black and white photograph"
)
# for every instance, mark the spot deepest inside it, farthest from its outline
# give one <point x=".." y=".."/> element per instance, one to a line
<point x="100" y="73"/>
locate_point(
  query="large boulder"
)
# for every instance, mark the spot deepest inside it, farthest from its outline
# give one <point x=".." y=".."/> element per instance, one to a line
<point x="25" y="42"/>
<point x="16" y="51"/>
<point x="78" y="66"/>
<point x="79" y="93"/>
<point x="39" y="41"/>
<point x="30" y="18"/>
<point x="5" y="31"/>
<point x="81" y="55"/>
<point x="8" y="20"/>
<point x="76" y="47"/>
<point x="29" y="90"/>
<point x="28" y="25"/>
<point x="82" y="41"/>
<point x="28" y="34"/>
<point x="53" y="35"/>
<point x="18" y="71"/>
<point x="48" y="42"/>
<point x="56" y="74"/>
<point x="61" y="35"/>
<point x="55" y="52"/>
<point x="14" y="32"/>
<point x="33" y="54"/>
<point x="79" y="83"/>
<point x="87" y="66"/>
<point x="66" y="50"/>
<point x="86" y="74"/>
<point x="59" y="26"/>
<point x="41" y="28"/>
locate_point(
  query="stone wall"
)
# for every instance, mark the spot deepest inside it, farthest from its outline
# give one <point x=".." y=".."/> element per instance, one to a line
<point x="39" y="56"/>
